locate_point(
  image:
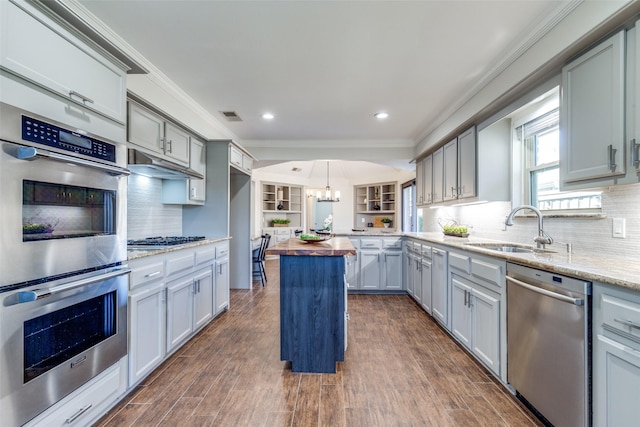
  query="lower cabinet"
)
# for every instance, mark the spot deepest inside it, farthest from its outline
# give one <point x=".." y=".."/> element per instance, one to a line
<point x="475" y="320"/>
<point x="392" y="270"/>
<point x="147" y="331"/>
<point x="171" y="297"/>
<point x="370" y="278"/>
<point x="417" y="279"/>
<point x="425" y="284"/>
<point x="616" y="356"/>
<point x="439" y="286"/>
<point x="222" y="284"/>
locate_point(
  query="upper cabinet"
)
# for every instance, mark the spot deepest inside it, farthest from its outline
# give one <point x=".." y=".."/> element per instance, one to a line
<point x="239" y="160"/>
<point x="153" y="133"/>
<point x="188" y="191"/>
<point x="40" y="50"/>
<point x="281" y="201"/>
<point x="450" y="172"/>
<point x="592" y="133"/>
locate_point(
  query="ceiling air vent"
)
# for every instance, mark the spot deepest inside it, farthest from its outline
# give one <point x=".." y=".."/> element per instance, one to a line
<point x="231" y="116"/>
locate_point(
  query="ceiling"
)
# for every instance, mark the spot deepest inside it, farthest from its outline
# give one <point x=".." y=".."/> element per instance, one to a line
<point x="323" y="68"/>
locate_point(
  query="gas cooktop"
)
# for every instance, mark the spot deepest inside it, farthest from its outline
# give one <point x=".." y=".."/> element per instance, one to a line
<point x="164" y="241"/>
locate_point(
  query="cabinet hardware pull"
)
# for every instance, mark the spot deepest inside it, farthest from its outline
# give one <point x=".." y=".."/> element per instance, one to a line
<point x="612" y="157"/>
<point x="628" y="323"/>
<point x="155" y="273"/>
<point x="75" y="416"/>
<point x="453" y="192"/>
<point x="465" y="298"/>
<point x="81" y="96"/>
<point x="170" y="145"/>
<point x="634" y="153"/>
<point x="560" y="297"/>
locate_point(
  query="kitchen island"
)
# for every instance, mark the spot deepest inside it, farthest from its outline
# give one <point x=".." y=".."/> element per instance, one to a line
<point x="312" y="303"/>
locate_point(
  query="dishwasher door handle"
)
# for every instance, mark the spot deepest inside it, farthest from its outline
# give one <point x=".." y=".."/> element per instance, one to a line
<point x="564" y="298"/>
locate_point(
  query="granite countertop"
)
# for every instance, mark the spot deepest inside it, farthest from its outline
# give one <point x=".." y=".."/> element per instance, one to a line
<point x="337" y="246"/>
<point x="141" y="252"/>
<point x="595" y="266"/>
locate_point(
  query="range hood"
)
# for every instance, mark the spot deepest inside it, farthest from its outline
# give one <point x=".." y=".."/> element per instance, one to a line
<point x="149" y="165"/>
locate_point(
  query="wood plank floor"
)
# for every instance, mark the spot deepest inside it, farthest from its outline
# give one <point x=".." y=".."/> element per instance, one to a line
<point x="400" y="369"/>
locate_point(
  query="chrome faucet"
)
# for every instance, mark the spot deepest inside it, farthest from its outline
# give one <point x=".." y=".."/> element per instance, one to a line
<point x="542" y="238"/>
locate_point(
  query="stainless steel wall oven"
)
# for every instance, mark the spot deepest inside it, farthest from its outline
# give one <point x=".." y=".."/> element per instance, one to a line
<point x="63" y="273"/>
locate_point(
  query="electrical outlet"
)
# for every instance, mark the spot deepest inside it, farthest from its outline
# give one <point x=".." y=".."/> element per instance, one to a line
<point x="619" y="228"/>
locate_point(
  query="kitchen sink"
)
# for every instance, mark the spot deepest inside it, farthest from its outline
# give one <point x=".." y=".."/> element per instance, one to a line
<point x="509" y="247"/>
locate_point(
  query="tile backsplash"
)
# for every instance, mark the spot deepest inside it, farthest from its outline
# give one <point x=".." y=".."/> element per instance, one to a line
<point x="147" y="216"/>
<point x="587" y="235"/>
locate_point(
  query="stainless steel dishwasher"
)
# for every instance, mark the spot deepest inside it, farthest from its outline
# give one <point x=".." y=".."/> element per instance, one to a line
<point x="548" y="344"/>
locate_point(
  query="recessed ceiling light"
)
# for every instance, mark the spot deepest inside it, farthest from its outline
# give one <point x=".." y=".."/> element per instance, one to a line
<point x="381" y="115"/>
<point x="268" y="116"/>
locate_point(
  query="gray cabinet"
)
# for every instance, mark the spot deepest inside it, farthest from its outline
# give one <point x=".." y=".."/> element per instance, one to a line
<point x="439" y="286"/>
<point x="437" y="181"/>
<point x="616" y="356"/>
<point x="592" y="146"/>
<point x="179" y="312"/>
<point x="153" y="133"/>
<point x="44" y="52"/>
<point x="203" y="295"/>
<point x="450" y="168"/>
<point x="188" y="191"/>
<point x="477" y="289"/>
<point x="467" y="164"/>
<point x="222" y="283"/>
<point x="370" y="277"/>
<point x="392" y="264"/>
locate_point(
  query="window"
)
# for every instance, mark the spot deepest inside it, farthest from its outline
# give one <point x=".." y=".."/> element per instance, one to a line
<point x="540" y="137"/>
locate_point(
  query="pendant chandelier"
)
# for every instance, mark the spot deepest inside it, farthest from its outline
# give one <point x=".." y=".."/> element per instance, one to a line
<point x="328" y="195"/>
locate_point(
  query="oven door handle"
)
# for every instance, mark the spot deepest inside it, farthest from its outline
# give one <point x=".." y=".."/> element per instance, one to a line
<point x="37" y="294"/>
<point x="564" y="298"/>
<point x="30" y="153"/>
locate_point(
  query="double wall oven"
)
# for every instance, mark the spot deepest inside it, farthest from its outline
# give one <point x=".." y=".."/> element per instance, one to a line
<point x="63" y="273"/>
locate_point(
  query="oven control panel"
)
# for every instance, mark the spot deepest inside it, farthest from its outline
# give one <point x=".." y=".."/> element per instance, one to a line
<point x="40" y="132"/>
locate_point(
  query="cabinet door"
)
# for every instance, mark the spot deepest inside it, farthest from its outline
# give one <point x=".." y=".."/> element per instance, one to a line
<point x="179" y="312"/>
<point x="145" y="129"/>
<point x="197" y="162"/>
<point x="467" y="164"/>
<point x="427" y="180"/>
<point x="425" y="284"/>
<point x="451" y="170"/>
<point x="486" y="328"/>
<point x="417" y="280"/>
<point x="616" y="384"/>
<point x="42" y="51"/>
<point x="147" y="332"/>
<point x="222" y="285"/>
<point x="592" y="114"/>
<point x="438" y="176"/>
<point x="460" y="311"/>
<point x="203" y="283"/>
<point x="352" y="267"/>
<point x="370" y="270"/>
<point x="411" y="271"/>
<point x="439" y="286"/>
<point x="420" y="190"/>
<point x="392" y="270"/>
<point x="176" y="144"/>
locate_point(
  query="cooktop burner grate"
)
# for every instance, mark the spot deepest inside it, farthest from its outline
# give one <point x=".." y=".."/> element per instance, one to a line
<point x="164" y="241"/>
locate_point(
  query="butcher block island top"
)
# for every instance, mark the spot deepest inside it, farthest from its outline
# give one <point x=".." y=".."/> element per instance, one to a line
<point x="313" y="303"/>
<point x="337" y="246"/>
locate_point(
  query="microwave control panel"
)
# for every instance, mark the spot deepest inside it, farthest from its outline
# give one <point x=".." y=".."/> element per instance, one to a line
<point x="40" y="132"/>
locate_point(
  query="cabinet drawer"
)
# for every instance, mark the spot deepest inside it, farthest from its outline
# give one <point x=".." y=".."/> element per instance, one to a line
<point x="283" y="231"/>
<point x="460" y="262"/>
<point x="222" y="251"/>
<point x="620" y="315"/>
<point x="426" y="251"/>
<point x="417" y="247"/>
<point x="281" y="239"/>
<point x="181" y="262"/>
<point x="370" y="244"/>
<point x="85" y="404"/>
<point x="490" y="272"/>
<point x="206" y="254"/>
<point x="146" y="274"/>
<point x="392" y="244"/>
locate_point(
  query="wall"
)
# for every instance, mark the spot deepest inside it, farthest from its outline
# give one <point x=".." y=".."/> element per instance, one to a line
<point x="147" y="216"/>
<point x="585" y="234"/>
<point x="343" y="211"/>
